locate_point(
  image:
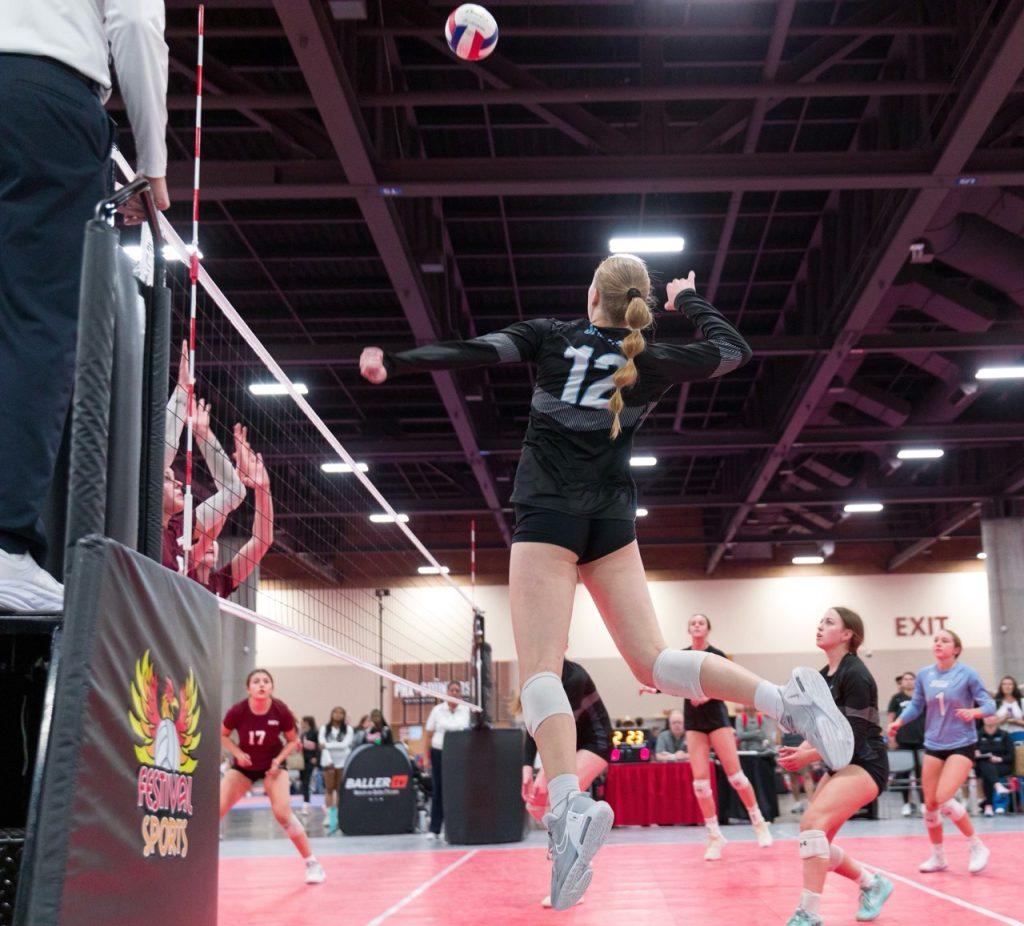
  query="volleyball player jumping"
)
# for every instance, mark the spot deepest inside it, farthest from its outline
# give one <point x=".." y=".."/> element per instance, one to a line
<point x="597" y="379"/>
<point x="950" y="690"/>
<point x="261" y="721"/>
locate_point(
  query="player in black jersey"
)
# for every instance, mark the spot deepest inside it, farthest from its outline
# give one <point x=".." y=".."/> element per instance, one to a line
<point x="597" y="379"/>
<point x="707" y="726"/>
<point x="593" y="742"/>
<point x="843" y="791"/>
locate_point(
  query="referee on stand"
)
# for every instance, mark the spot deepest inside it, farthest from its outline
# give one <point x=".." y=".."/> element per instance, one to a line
<point x="55" y="165"/>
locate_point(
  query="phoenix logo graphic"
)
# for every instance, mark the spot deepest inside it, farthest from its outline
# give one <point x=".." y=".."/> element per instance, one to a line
<point x="167" y="723"/>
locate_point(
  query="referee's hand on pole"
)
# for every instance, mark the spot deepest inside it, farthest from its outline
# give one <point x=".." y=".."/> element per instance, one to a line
<point x="135" y="213"/>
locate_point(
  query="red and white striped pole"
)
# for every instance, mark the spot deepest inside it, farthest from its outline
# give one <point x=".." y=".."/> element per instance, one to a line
<point x="472" y="560"/>
<point x="186" y="541"/>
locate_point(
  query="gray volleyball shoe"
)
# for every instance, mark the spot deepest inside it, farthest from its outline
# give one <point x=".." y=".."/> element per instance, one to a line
<point x="810" y="711"/>
<point x="574" y="836"/>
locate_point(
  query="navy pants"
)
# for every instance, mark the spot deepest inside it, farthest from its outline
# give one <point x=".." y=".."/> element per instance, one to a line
<point x="55" y="145"/>
<point x="436" y="802"/>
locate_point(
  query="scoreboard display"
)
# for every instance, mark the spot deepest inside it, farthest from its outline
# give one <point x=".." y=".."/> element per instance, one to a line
<point x="630" y="744"/>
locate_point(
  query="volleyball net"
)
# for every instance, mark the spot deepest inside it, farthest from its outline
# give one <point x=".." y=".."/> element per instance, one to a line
<point x="268" y="509"/>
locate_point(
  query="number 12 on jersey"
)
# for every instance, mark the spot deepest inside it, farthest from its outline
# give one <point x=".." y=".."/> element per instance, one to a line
<point x="598" y="393"/>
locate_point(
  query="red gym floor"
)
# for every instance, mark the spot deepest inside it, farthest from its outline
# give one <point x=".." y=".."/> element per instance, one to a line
<point x="634" y="884"/>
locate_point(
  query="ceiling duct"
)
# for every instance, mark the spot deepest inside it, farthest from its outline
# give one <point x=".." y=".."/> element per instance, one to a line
<point x="983" y="250"/>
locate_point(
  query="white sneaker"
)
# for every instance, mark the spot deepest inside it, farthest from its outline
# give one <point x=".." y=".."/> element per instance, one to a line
<point x="798" y="807"/>
<point x="979" y="857"/>
<point x="714" y="850"/>
<point x="26" y="587"/>
<point x="314" y="872"/>
<point x="575" y="834"/>
<point x="808" y="709"/>
<point x="1000" y="811"/>
<point x="933" y="863"/>
<point x="908" y="810"/>
<point x="989" y="812"/>
<point x="431" y="836"/>
<point x="764" y="834"/>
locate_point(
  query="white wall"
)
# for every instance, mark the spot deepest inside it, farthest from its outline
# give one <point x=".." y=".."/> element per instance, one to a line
<point x="767" y="624"/>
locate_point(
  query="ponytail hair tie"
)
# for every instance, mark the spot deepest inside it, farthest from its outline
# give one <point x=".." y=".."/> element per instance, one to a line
<point x="633" y="293"/>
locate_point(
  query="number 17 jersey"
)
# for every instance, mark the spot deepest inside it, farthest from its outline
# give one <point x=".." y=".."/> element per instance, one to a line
<point x="259" y="735"/>
<point x="569" y="462"/>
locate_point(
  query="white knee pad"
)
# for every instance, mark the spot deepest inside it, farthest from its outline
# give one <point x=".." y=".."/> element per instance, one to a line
<point x="835" y="857"/>
<point x="953" y="809"/>
<point x="739" y="780"/>
<point x="543" y="696"/>
<point x="702" y="787"/>
<point x="293" y="828"/>
<point x="814" y="844"/>
<point x="932" y="819"/>
<point x="677" y="672"/>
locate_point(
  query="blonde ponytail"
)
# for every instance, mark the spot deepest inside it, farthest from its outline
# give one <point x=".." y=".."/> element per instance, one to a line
<point x="638" y="317"/>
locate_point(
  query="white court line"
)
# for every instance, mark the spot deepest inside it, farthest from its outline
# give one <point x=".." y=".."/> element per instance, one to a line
<point x="966" y="904"/>
<point x="426" y="885"/>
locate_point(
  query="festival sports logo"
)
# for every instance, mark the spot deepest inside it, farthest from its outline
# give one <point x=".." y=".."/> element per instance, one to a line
<point x="166" y="723"/>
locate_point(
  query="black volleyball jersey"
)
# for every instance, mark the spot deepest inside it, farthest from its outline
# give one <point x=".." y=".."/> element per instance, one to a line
<point x="712" y="714"/>
<point x="856" y="695"/>
<point x="593" y="725"/>
<point x="569" y="462"/>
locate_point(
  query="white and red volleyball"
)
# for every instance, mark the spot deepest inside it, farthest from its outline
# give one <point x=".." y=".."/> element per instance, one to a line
<point x="471" y="31"/>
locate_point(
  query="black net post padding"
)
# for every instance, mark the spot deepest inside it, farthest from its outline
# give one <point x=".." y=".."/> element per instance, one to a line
<point x="157" y="359"/>
<point x="125" y="441"/>
<point x="127" y="822"/>
<point x="87" y="478"/>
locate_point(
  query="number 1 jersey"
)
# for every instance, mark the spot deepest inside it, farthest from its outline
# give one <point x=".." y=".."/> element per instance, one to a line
<point x="569" y="462"/>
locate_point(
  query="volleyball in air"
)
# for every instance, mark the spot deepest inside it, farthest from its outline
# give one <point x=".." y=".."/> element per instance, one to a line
<point x="471" y="31"/>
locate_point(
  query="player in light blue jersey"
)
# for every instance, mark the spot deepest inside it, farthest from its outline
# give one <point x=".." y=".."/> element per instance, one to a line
<point x="955" y="697"/>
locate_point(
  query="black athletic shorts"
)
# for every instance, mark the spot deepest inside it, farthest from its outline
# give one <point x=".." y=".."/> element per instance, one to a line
<point x="588" y="538"/>
<point x="967" y="752"/>
<point x="252" y="774"/>
<point x="706" y="718"/>
<point x="873" y="757"/>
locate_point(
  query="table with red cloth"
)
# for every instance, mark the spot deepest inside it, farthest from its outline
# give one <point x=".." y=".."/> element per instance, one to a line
<point x="651" y="793"/>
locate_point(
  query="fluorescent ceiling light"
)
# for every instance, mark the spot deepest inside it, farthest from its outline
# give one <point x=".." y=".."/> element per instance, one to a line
<point x="343" y="467"/>
<point x="808" y="560"/>
<point x="921" y="453"/>
<point x="1016" y="372"/>
<point x="433" y="571"/>
<point x="646" y="244"/>
<point x="982" y="555"/>
<point x="641" y="512"/>
<point x="863" y="507"/>
<point x="389" y="519"/>
<point x="643" y="461"/>
<point x="276" y="388"/>
<point x="134" y="251"/>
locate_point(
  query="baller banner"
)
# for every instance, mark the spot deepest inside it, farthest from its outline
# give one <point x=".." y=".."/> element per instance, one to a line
<point x="128" y="814"/>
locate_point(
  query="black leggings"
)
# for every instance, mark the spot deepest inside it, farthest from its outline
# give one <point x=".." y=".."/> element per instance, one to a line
<point x="989" y="775"/>
<point x="305" y="776"/>
<point x="436" y="803"/>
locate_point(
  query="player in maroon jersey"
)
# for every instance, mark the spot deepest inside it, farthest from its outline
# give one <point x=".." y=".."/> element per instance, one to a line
<point x="266" y="737"/>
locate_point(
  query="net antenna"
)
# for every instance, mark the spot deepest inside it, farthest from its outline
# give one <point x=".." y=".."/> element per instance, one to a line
<point x="193" y="262"/>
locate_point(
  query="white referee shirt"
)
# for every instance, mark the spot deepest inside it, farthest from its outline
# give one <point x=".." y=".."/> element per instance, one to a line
<point x="442" y="719"/>
<point x="83" y="34"/>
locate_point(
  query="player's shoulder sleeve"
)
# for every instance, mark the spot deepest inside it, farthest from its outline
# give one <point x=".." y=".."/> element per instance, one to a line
<point x="233" y="716"/>
<point x="285" y="715"/>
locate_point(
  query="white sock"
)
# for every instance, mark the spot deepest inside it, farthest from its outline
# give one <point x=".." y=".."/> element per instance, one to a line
<point x="560" y="788"/>
<point x="755" y="815"/>
<point x="712" y="824"/>
<point x="974" y="840"/>
<point x="768" y="699"/>
<point x="866" y="879"/>
<point x="939" y="852"/>
<point x="310" y="859"/>
<point x="810" y="902"/>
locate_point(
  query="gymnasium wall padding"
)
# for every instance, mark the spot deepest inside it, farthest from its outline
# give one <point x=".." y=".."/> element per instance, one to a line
<point x="128" y="809"/>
